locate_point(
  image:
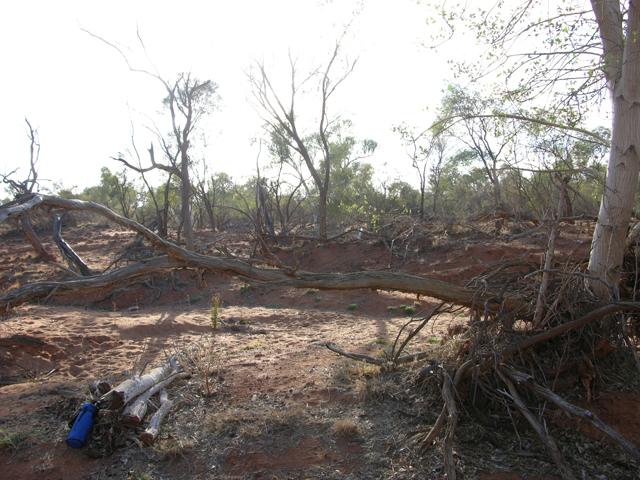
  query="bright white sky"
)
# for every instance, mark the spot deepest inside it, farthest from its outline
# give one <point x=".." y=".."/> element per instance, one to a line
<point x="80" y="95"/>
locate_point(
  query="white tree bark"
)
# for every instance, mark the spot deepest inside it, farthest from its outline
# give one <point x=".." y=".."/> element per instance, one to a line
<point x="151" y="433"/>
<point x="622" y="70"/>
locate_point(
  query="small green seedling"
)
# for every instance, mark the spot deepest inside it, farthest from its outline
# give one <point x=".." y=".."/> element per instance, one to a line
<point x="409" y="310"/>
<point x="353" y="306"/>
<point x="216" y="303"/>
<point x="406" y="309"/>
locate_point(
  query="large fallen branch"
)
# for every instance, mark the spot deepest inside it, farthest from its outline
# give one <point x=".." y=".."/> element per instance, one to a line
<point x="181" y="257"/>
<point x="16" y="208"/>
<point x="41" y="290"/>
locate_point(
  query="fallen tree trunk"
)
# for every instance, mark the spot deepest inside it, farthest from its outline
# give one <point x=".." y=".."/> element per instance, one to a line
<point x="151" y="433"/>
<point x="69" y="254"/>
<point x="41" y="290"/>
<point x="181" y="257"/>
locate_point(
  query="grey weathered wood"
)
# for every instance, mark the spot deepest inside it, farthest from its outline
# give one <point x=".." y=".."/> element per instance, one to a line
<point x="135" y="411"/>
<point x="13" y="211"/>
<point x="136" y="385"/>
<point x="151" y="433"/>
<point x="67" y="252"/>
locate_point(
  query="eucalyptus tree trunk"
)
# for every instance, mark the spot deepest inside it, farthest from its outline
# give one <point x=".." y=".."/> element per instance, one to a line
<point x="185" y="198"/>
<point x="322" y="214"/>
<point x="622" y="70"/>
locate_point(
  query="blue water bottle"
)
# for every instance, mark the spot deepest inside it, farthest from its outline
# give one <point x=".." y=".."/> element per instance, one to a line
<point x="81" y="429"/>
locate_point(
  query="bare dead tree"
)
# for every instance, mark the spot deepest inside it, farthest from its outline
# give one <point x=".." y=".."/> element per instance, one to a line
<point x="286" y="199"/>
<point x="21" y="189"/>
<point x="282" y="121"/>
<point x="187" y="100"/>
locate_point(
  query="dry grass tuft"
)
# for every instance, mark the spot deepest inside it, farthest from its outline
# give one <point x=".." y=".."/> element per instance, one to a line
<point x="172" y="449"/>
<point x="11" y="441"/>
<point x="345" y="428"/>
<point x="247" y="424"/>
<point x="204" y="361"/>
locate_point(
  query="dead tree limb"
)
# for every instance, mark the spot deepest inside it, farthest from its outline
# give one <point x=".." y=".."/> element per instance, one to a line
<point x="85" y="285"/>
<point x="593" y="316"/>
<point x="527" y="381"/>
<point x="452" y="422"/>
<point x="547" y="273"/>
<point x="360" y="357"/>
<point x="13" y="210"/>
<point x="69" y="254"/>
<point x="540" y="430"/>
<point x="354" y="356"/>
<point x="428" y="439"/>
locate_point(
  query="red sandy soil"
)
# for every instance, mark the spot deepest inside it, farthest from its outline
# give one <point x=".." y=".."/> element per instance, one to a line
<point x="279" y="396"/>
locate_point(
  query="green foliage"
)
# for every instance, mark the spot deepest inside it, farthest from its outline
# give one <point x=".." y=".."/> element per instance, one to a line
<point x="11" y="441"/>
<point x="115" y="191"/>
<point x="405" y="309"/>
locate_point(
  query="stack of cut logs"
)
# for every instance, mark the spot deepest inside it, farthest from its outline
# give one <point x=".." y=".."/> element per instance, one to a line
<point x="133" y="395"/>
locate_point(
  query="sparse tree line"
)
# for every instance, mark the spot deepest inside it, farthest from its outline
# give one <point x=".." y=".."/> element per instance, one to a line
<point x="477" y="166"/>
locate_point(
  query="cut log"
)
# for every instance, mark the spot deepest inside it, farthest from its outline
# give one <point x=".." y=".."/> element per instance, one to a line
<point x="135" y="411"/>
<point x="132" y="387"/>
<point x="151" y="433"/>
<point x="72" y="258"/>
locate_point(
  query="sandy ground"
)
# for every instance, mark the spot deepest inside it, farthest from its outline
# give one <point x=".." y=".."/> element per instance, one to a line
<point x="283" y="406"/>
